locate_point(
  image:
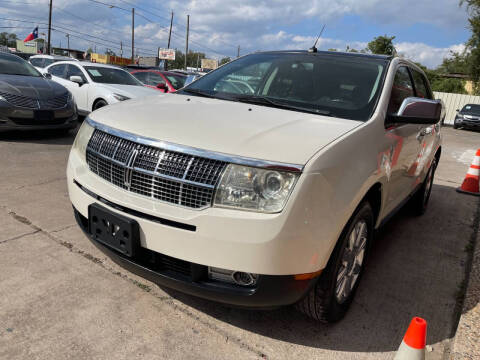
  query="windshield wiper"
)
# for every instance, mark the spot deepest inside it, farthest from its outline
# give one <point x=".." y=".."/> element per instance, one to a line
<point x="198" y="92"/>
<point x="263" y="100"/>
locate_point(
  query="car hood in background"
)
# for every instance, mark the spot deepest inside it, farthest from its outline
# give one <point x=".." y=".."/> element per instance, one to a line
<point x="228" y="127"/>
<point x="131" y="91"/>
<point x="36" y="87"/>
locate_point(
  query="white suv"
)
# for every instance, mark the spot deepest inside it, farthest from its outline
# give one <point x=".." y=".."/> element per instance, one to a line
<point x="262" y="183"/>
<point x="42" y="61"/>
<point x="96" y="85"/>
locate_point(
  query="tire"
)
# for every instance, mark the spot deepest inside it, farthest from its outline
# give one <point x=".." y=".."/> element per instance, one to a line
<point x="419" y="201"/>
<point x="456" y="126"/>
<point x="324" y="303"/>
<point x="99" y="104"/>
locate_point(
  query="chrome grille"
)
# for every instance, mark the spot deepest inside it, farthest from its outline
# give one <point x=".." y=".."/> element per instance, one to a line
<point x="33" y="103"/>
<point x="160" y="174"/>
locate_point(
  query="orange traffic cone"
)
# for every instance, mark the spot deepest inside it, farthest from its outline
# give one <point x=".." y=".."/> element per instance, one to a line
<point x="414" y="341"/>
<point x="471" y="183"/>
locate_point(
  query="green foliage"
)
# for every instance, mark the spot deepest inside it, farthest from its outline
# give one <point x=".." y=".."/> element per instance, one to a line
<point x="382" y="45"/>
<point x="332" y="49"/>
<point x="472" y="53"/>
<point x="225" y="60"/>
<point x="8" y="39"/>
<point x="193" y="59"/>
<point x="448" y="85"/>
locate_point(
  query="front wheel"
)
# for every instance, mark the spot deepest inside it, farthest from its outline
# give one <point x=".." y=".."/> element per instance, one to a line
<point x="331" y="297"/>
<point x="99" y="104"/>
<point x="456" y="126"/>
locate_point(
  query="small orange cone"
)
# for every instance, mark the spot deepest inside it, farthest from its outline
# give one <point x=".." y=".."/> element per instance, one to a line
<point x="471" y="183"/>
<point x="414" y="341"/>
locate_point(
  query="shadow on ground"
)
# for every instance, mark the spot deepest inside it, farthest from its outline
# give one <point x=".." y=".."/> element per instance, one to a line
<point x="415" y="269"/>
<point x="50" y="137"/>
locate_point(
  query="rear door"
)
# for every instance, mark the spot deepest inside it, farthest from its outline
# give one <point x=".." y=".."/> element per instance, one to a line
<point x="427" y="134"/>
<point x="400" y="161"/>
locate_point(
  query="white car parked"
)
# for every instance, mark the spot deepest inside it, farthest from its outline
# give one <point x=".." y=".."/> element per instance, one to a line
<point x="96" y="85"/>
<point x="42" y="61"/>
<point x="264" y="181"/>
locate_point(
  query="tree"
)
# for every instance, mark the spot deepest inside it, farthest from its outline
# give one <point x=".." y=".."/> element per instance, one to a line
<point x="8" y="39"/>
<point x="382" y="45"/>
<point x="193" y="59"/>
<point x="472" y="51"/>
<point x="225" y="60"/>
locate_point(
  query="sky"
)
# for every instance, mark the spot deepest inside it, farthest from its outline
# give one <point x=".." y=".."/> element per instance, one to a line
<point x="425" y="30"/>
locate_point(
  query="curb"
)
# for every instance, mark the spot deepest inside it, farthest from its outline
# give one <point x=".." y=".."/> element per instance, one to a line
<point x="465" y="343"/>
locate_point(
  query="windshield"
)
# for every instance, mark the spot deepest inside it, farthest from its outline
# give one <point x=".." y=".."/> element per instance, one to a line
<point x="471" y="108"/>
<point x="334" y="85"/>
<point x="177" y="81"/>
<point x="13" y="65"/>
<point x="106" y="75"/>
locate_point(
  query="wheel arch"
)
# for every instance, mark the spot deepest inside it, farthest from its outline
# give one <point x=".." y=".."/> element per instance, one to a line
<point x="97" y="100"/>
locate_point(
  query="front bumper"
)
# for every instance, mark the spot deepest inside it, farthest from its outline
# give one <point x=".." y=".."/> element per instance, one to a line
<point x="13" y="118"/>
<point x="270" y="291"/>
<point x="468" y="123"/>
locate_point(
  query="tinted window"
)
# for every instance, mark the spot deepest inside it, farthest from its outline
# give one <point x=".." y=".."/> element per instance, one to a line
<point x="58" y="70"/>
<point x="38" y="62"/>
<point x="177" y="81"/>
<point x="336" y="85"/>
<point x="13" y="65"/>
<point x="154" y="79"/>
<point x="142" y="76"/>
<point x="402" y="88"/>
<point x="420" y="85"/>
<point x="106" y="75"/>
<point x="73" y="70"/>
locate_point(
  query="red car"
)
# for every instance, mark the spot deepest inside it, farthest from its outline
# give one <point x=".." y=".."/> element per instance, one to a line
<point x="165" y="81"/>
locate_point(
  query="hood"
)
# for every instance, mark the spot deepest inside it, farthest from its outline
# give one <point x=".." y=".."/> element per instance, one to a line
<point x="131" y="91"/>
<point x="31" y="86"/>
<point x="228" y="127"/>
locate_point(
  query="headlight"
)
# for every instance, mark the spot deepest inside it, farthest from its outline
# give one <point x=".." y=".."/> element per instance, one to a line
<point x="254" y="189"/>
<point x="120" y="97"/>
<point x="459" y="116"/>
<point x="83" y="137"/>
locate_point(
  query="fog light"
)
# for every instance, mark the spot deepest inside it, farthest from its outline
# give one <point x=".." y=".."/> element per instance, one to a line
<point x="244" y="279"/>
<point x="232" y="277"/>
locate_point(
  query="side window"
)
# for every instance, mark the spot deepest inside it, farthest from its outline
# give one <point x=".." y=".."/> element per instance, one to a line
<point x="73" y="70"/>
<point x="58" y="70"/>
<point x="155" y="79"/>
<point x="420" y="85"/>
<point x="402" y="88"/>
<point x="38" y="62"/>
<point x="142" y="76"/>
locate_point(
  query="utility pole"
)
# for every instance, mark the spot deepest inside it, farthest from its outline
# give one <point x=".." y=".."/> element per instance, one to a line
<point x="121" y="49"/>
<point x="133" y="35"/>
<point x="169" y="38"/>
<point x="49" y="27"/>
<point x="238" y="51"/>
<point x="68" y="43"/>
<point x="186" y="43"/>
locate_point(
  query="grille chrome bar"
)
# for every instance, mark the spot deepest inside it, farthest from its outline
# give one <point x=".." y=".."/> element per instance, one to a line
<point x="169" y="176"/>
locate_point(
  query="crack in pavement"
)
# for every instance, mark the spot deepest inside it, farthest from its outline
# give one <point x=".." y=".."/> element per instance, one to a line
<point x="19" y="236"/>
<point x="40" y="183"/>
<point x="165" y="299"/>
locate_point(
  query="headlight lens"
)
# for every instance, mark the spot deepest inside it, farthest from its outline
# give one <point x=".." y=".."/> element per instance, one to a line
<point x="254" y="189"/>
<point x="83" y="137"/>
<point x="120" y="97"/>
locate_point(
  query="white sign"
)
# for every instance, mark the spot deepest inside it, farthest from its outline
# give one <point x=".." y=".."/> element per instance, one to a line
<point x="166" y="54"/>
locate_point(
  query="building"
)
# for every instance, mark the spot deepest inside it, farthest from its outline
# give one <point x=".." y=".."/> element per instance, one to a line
<point x="30" y="47"/>
<point x="76" y="54"/>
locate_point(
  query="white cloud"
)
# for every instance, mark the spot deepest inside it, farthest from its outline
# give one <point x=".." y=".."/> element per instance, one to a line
<point x="427" y="55"/>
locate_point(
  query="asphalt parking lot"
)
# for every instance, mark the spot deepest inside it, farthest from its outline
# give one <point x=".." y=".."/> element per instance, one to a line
<point x="60" y="298"/>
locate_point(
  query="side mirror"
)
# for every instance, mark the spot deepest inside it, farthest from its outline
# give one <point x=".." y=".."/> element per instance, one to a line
<point x="162" y="87"/>
<point x="77" y="79"/>
<point x="417" y="111"/>
<point x="47" y="76"/>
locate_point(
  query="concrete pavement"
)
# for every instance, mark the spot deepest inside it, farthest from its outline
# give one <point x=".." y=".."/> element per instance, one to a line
<point x="62" y="298"/>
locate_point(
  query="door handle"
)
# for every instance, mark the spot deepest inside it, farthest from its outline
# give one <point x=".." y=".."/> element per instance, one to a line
<point x="421" y="135"/>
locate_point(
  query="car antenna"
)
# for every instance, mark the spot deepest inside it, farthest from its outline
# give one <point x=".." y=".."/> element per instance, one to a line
<point x="314" y="49"/>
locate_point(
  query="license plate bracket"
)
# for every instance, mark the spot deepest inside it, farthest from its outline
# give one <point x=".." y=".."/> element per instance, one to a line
<point x="43" y="116"/>
<point x="113" y="230"/>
